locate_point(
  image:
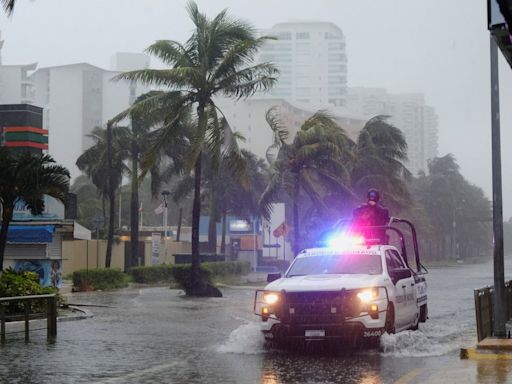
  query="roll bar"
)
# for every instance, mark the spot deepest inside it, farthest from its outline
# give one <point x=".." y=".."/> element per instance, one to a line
<point x="420" y="268"/>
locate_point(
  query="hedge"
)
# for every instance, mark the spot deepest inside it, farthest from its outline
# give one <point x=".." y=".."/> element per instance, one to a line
<point x="164" y="273"/>
<point x="227" y="268"/>
<point x="161" y="273"/>
<point x="103" y="278"/>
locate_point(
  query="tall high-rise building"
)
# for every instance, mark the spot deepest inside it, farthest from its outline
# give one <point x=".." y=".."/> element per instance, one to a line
<point x="76" y="98"/>
<point x="16" y="87"/>
<point x="312" y="62"/>
<point x="407" y="112"/>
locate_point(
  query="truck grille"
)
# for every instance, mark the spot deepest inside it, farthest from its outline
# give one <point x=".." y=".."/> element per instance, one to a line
<point x="326" y="307"/>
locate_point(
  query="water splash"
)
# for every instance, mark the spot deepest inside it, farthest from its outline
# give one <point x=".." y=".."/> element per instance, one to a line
<point x="246" y="339"/>
<point x="429" y="341"/>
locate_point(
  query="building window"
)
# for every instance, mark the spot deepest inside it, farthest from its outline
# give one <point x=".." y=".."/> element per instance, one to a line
<point x="336" y="68"/>
<point x="336" y="46"/>
<point x="302" y="36"/>
<point x="336" y="80"/>
<point x="284" y="36"/>
<point x="336" y="57"/>
<point x="333" y="36"/>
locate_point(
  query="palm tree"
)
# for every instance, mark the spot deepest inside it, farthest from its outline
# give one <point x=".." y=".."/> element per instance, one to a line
<point x="106" y="171"/>
<point x="228" y="191"/>
<point x="8" y="6"/>
<point x="379" y="154"/>
<point x="217" y="60"/>
<point x="27" y="177"/>
<point x="315" y="163"/>
<point x="138" y="138"/>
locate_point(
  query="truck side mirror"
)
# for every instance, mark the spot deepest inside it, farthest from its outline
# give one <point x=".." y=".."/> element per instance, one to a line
<point x="272" y="277"/>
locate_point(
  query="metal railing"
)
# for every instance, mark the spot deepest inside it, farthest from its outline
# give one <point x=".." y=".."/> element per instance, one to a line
<point x="51" y="313"/>
<point x="484" y="308"/>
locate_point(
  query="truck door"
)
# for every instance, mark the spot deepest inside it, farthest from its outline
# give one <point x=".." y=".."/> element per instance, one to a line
<point x="405" y="291"/>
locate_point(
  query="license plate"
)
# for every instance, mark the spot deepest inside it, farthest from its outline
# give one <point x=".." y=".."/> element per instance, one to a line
<point x="315" y="333"/>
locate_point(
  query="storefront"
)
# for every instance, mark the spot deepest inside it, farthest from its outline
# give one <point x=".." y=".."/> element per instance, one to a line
<point x="34" y="242"/>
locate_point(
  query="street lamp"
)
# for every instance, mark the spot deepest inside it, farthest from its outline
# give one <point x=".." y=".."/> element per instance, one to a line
<point x="97" y="220"/>
<point x="165" y="194"/>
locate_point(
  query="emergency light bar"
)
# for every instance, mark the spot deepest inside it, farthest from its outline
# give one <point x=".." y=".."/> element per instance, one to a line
<point x="344" y="240"/>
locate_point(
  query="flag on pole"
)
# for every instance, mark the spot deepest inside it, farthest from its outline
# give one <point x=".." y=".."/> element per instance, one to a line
<point x="160" y="209"/>
<point x="282" y="230"/>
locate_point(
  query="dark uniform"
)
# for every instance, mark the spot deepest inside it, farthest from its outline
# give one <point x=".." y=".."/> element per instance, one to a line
<point x="371" y="214"/>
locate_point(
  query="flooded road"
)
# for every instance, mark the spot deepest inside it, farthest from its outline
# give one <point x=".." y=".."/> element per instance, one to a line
<point x="155" y="335"/>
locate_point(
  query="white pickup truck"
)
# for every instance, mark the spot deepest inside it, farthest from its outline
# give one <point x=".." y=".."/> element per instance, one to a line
<point x="345" y="291"/>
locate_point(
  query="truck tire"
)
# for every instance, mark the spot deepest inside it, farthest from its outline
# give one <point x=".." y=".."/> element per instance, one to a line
<point x="423" y="313"/>
<point x="389" y="326"/>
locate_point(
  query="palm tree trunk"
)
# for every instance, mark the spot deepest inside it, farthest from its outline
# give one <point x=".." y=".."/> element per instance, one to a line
<point x="134" y="208"/>
<point x="196" y="205"/>
<point x="196" y="214"/>
<point x="112" y="199"/>
<point x="296" y="229"/>
<point x="7" y="212"/>
<point x="212" y="224"/>
<point x="223" y="239"/>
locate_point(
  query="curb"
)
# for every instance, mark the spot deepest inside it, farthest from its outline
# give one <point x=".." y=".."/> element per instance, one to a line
<point x="84" y="315"/>
<point x="474" y="354"/>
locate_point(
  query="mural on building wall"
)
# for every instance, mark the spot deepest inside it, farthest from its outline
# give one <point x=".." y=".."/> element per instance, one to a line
<point x="49" y="271"/>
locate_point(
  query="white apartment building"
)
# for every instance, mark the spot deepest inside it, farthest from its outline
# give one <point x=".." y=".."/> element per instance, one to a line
<point x="16" y="87"/>
<point x="248" y="118"/>
<point x="407" y="112"/>
<point x="312" y="62"/>
<point x="76" y="98"/>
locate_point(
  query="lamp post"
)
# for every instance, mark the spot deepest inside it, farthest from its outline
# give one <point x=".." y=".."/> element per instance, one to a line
<point x="165" y="194"/>
<point x="97" y="220"/>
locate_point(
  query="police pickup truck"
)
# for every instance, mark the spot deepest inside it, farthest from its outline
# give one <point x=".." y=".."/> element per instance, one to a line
<point x="350" y="290"/>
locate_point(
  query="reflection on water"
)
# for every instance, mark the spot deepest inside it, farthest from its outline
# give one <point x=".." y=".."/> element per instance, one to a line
<point x="321" y="366"/>
<point x="498" y="371"/>
<point x="154" y="335"/>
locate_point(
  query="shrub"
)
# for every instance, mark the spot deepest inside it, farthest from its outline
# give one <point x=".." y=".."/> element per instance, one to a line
<point x="24" y="283"/>
<point x="152" y="274"/>
<point x="182" y="274"/>
<point x="103" y="278"/>
<point x="227" y="269"/>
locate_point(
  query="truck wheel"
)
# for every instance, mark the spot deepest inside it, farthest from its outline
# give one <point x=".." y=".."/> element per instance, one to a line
<point x="423" y="313"/>
<point x="390" y="319"/>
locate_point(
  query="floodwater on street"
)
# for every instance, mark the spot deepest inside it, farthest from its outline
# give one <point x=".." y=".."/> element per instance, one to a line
<point x="155" y="335"/>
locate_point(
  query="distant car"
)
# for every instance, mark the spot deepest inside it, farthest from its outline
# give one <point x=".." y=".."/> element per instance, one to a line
<point x="347" y="292"/>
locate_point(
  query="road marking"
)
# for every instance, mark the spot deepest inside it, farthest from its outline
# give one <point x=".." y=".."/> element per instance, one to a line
<point x="408" y="377"/>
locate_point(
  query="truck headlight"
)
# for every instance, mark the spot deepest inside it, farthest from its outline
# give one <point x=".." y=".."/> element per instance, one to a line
<point x="368" y="295"/>
<point x="270" y="298"/>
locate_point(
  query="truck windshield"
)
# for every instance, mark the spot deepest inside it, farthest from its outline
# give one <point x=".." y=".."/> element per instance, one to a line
<point x="336" y="264"/>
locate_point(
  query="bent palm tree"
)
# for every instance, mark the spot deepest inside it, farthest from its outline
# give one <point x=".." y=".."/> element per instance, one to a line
<point x="8" y="6"/>
<point x="26" y="178"/>
<point x="217" y="60"/>
<point x="380" y="153"/>
<point x="314" y="163"/>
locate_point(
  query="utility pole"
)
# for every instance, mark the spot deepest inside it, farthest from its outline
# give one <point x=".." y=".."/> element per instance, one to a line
<point x="497" y="200"/>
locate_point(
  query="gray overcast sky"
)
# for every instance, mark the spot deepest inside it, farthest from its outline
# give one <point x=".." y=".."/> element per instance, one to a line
<point x="436" y="47"/>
